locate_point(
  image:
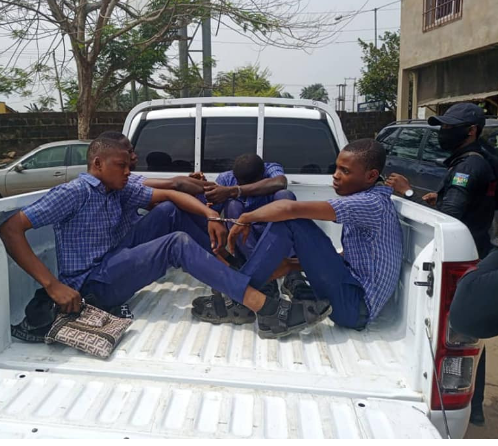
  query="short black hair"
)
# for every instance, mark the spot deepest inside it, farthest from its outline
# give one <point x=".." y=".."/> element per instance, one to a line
<point x="248" y="168"/>
<point x="371" y="153"/>
<point x="102" y="147"/>
<point x="110" y="134"/>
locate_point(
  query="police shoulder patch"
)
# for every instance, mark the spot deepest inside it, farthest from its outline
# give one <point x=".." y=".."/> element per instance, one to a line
<point x="460" y="179"/>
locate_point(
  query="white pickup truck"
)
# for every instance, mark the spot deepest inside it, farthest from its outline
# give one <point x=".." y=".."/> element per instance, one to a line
<point x="172" y="376"/>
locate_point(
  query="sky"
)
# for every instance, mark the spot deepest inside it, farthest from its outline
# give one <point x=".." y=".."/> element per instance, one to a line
<point x="336" y="63"/>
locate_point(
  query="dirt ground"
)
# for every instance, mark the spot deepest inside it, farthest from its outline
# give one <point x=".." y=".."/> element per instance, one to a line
<point x="490" y="429"/>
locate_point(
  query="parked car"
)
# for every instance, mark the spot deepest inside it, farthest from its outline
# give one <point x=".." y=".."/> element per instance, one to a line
<point x="172" y="376"/>
<point x="413" y="150"/>
<point x="44" y="167"/>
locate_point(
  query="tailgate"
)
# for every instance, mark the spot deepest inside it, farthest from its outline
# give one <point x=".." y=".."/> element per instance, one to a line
<point x="56" y="405"/>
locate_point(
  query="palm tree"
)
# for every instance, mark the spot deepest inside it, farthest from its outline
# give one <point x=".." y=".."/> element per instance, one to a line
<point x="315" y="92"/>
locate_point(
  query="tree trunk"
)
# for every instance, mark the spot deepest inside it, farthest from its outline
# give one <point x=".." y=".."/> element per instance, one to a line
<point x="86" y="102"/>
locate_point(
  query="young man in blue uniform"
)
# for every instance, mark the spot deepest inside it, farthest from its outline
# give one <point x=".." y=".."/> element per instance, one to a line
<point x="358" y="284"/>
<point x="100" y="251"/>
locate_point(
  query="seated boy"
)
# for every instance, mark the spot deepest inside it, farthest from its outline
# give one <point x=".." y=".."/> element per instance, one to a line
<point x="99" y="251"/>
<point x="250" y="185"/>
<point x="358" y="284"/>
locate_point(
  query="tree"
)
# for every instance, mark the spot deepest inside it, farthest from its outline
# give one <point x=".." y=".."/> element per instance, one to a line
<point x="315" y="92"/>
<point x="246" y="81"/>
<point x="116" y="41"/>
<point x="45" y="104"/>
<point x="379" y="79"/>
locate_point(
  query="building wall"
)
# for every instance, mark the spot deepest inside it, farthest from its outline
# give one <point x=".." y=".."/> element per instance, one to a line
<point x="478" y="28"/>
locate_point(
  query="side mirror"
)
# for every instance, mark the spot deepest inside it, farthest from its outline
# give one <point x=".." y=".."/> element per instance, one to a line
<point x="19" y="168"/>
<point x="440" y="162"/>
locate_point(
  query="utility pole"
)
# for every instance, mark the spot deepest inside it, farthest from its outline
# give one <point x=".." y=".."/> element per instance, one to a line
<point x="133" y="93"/>
<point x="183" y="53"/>
<point x="341" y="98"/>
<point x="233" y="84"/>
<point x="58" y="82"/>
<point x="375" y="16"/>
<point x="354" y="90"/>
<point x="207" y="57"/>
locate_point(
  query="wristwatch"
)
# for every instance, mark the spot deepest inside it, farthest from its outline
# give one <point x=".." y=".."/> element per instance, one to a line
<point x="409" y="193"/>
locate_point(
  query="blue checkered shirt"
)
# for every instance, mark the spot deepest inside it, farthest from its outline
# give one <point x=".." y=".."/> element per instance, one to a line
<point x="372" y="242"/>
<point x="88" y="222"/>
<point x="272" y="170"/>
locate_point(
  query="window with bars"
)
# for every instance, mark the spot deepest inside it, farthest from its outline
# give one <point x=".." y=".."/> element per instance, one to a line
<point x="441" y="12"/>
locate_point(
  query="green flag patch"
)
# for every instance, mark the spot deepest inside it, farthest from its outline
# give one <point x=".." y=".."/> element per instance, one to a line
<point x="460" y="179"/>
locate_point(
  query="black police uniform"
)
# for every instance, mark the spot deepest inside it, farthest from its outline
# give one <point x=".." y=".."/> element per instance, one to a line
<point x="467" y="193"/>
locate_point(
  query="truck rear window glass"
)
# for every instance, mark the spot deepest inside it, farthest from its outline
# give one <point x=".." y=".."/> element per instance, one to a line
<point x="224" y="139"/>
<point x="166" y="145"/>
<point x="300" y="145"/>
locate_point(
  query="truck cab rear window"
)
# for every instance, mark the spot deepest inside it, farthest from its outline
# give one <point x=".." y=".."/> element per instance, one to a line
<point x="224" y="139"/>
<point x="166" y="145"/>
<point x="301" y="146"/>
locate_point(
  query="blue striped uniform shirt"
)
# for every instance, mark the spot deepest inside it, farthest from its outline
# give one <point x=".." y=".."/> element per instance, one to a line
<point x="372" y="242"/>
<point x="272" y="170"/>
<point x="88" y="222"/>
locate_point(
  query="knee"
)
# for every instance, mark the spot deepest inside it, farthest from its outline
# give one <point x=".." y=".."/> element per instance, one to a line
<point x="284" y="195"/>
<point x="165" y="209"/>
<point x="234" y="209"/>
<point x="181" y="238"/>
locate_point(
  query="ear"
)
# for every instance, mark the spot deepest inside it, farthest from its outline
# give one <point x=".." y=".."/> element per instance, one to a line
<point x="97" y="162"/>
<point x="372" y="175"/>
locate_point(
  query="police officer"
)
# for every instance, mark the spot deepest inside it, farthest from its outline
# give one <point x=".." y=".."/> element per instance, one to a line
<point x="467" y="193"/>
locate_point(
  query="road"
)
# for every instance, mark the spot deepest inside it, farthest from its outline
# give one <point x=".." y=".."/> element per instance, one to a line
<point x="490" y="430"/>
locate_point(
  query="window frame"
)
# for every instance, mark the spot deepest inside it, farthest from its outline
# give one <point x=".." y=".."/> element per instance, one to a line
<point x="420" y="148"/>
<point x="205" y="122"/>
<point x="433" y="8"/>
<point x="65" y="162"/>
<point x="72" y="148"/>
<point x="326" y="124"/>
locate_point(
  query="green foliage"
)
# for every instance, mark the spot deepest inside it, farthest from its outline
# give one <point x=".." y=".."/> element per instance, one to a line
<point x="14" y="80"/>
<point x="45" y="104"/>
<point x="246" y="81"/>
<point x="380" y="72"/>
<point x="315" y="92"/>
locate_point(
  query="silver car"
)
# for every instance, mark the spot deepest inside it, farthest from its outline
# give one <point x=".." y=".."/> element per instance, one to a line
<point x="44" y="167"/>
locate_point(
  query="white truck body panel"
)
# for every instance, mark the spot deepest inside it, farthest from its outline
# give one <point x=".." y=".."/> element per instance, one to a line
<point x="172" y="376"/>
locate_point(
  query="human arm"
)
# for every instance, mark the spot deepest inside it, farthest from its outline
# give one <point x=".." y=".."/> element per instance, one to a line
<point x="280" y="210"/>
<point x="188" y="185"/>
<point x="13" y="235"/>
<point x="401" y="185"/>
<point x="217" y="230"/>
<point x="219" y="193"/>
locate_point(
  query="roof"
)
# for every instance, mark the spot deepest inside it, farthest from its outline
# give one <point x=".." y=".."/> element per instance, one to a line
<point x="455" y="99"/>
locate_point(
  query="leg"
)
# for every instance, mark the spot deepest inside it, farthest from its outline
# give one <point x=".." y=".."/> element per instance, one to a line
<point x="477" y="413"/>
<point x="165" y="219"/>
<point x="235" y="208"/>
<point x="124" y="271"/>
<point x="324" y="267"/>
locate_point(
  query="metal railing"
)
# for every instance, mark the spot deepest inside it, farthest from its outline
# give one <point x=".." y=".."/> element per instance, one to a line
<point x="440" y="12"/>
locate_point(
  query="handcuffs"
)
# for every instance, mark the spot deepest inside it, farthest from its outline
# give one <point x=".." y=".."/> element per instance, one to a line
<point x="228" y="220"/>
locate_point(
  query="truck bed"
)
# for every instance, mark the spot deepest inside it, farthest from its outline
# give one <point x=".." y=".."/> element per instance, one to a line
<point x="174" y="376"/>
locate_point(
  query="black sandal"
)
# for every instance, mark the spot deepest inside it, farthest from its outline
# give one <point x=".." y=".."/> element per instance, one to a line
<point x="276" y="325"/>
<point x="218" y="309"/>
<point x="296" y="287"/>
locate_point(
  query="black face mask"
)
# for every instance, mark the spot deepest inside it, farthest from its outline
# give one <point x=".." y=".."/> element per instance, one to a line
<point x="453" y="138"/>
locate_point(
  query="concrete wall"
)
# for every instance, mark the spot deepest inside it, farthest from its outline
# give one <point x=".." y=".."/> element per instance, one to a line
<point x="478" y="28"/>
<point x="22" y="132"/>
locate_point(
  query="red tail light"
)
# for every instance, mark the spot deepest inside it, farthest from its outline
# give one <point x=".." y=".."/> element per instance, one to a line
<point x="456" y="355"/>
